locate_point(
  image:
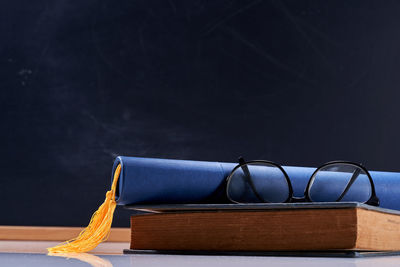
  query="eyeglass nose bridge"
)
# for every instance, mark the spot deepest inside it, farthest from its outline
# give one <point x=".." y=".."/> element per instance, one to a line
<point x="298" y="199"/>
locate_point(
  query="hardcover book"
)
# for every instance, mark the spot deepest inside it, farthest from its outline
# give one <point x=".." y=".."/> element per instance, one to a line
<point x="266" y="227"/>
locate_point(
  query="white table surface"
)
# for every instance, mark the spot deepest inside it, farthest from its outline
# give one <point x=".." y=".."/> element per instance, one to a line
<point x="20" y="253"/>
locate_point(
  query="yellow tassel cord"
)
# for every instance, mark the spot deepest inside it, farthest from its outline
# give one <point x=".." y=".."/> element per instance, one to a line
<point x="99" y="226"/>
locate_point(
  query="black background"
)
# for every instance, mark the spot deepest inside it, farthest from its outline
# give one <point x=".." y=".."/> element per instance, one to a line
<point x="295" y="82"/>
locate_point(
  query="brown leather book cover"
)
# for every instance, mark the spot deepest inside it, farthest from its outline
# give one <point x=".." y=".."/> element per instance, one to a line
<point x="353" y="228"/>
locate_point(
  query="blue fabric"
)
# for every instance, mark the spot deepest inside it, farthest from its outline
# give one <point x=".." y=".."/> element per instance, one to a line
<point x="166" y="181"/>
<point x="149" y="180"/>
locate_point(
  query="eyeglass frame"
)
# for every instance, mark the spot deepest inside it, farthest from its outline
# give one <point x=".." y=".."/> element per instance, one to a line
<point x="373" y="200"/>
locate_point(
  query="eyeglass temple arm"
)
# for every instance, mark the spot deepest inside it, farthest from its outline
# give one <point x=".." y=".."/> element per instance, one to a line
<point x="246" y="171"/>
<point x="356" y="173"/>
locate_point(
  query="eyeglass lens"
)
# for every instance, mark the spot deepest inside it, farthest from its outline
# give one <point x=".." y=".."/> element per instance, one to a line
<point x="258" y="183"/>
<point x="340" y="182"/>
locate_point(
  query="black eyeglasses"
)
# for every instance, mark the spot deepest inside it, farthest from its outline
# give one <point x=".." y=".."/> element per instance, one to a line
<point x="261" y="181"/>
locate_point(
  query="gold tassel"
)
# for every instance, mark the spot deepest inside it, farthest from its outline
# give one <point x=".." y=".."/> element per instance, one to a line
<point x="99" y="226"/>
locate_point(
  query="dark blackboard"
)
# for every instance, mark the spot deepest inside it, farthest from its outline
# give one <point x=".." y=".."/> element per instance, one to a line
<point x="296" y="82"/>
